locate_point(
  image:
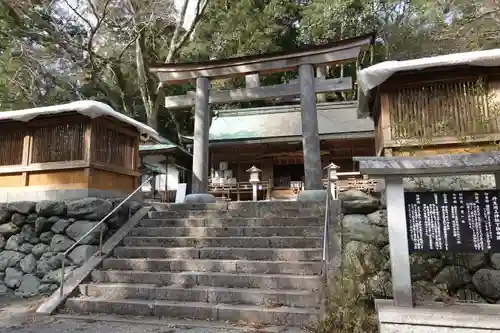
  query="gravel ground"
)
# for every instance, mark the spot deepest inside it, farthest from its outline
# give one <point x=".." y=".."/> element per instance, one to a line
<point x="72" y="326"/>
<point x="18" y="316"/>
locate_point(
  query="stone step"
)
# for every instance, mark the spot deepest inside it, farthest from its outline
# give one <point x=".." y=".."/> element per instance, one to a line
<point x="244" y="242"/>
<point x="207" y="265"/>
<point x="278" y="213"/>
<point x="237" y="205"/>
<point x="170" y="206"/>
<point x="213" y="279"/>
<point x="196" y="310"/>
<point x="306" y="231"/>
<point x="260" y="208"/>
<point x="231" y="222"/>
<point x="304" y="254"/>
<point x="263" y="297"/>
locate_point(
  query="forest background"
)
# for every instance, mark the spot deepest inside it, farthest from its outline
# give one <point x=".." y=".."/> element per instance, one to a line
<point x="57" y="51"/>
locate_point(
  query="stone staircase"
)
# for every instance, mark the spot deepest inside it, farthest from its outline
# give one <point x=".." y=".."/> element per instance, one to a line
<point x="237" y="262"/>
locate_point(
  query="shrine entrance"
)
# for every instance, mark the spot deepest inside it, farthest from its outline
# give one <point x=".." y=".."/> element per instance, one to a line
<point x="314" y="79"/>
<point x="286" y="175"/>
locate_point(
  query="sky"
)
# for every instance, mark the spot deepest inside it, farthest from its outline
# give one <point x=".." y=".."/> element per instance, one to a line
<point x="190" y="11"/>
<point x="178" y="5"/>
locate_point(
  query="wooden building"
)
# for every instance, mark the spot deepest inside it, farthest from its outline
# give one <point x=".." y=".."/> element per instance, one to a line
<point x="270" y="138"/>
<point x="436" y="105"/>
<point x="75" y="150"/>
<point x="170" y="162"/>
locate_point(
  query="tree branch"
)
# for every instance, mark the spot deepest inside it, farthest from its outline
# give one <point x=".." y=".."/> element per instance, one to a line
<point x="130" y="42"/>
<point x="175" y="46"/>
<point x="12" y="12"/>
<point x="481" y="16"/>
<point x="178" y="26"/>
<point x="77" y="13"/>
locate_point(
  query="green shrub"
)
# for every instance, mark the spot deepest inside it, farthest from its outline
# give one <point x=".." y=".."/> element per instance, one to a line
<point x="348" y="308"/>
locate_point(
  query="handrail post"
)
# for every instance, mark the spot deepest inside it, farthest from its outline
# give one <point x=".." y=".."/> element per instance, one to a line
<point x="331" y="176"/>
<point x="101" y="235"/>
<point x="327" y="213"/>
<point x="61" y="288"/>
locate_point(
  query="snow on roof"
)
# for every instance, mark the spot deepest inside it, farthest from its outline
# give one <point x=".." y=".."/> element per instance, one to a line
<point x="92" y="109"/>
<point x="375" y="75"/>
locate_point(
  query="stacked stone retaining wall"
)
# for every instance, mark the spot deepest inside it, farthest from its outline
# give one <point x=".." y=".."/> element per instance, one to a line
<point x="441" y="277"/>
<point x="34" y="235"/>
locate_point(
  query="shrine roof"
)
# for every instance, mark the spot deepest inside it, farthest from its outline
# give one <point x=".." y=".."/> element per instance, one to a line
<point x="375" y="75"/>
<point x="161" y="146"/>
<point x="92" y="109"/>
<point x="335" y="120"/>
<point x="438" y="165"/>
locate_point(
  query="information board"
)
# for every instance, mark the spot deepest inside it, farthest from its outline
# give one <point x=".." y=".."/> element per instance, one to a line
<point x="453" y="221"/>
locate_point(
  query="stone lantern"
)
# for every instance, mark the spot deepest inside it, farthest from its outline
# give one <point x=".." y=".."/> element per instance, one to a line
<point x="254" y="180"/>
<point x="332" y="180"/>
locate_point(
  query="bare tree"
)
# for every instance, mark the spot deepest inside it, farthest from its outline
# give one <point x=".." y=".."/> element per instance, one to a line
<point x="119" y="40"/>
<point x="141" y="23"/>
<point x="176" y="43"/>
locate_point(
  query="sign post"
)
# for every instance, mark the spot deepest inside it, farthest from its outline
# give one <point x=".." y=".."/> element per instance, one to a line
<point x="453" y="221"/>
<point x="398" y="242"/>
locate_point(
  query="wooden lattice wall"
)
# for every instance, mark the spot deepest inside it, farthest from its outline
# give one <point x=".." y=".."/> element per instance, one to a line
<point x="66" y="142"/>
<point x="71" y="150"/>
<point x="113" y="147"/>
<point x="438" y="110"/>
<point x="442" y="109"/>
<point x="11" y="146"/>
<point x="57" y="143"/>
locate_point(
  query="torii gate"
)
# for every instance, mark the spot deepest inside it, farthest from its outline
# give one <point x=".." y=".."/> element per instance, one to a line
<point x="305" y="59"/>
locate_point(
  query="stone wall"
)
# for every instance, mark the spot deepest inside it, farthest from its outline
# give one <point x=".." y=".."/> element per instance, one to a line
<point x="34" y="235"/>
<point x="441" y="277"/>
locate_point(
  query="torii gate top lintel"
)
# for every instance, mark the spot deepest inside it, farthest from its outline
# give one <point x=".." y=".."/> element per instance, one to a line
<point x="335" y="52"/>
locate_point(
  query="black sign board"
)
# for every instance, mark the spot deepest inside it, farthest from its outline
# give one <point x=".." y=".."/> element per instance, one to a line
<point x="453" y="221"/>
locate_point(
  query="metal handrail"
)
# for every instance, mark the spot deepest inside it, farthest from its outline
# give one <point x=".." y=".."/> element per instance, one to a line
<point x="65" y="254"/>
<point x="327" y="216"/>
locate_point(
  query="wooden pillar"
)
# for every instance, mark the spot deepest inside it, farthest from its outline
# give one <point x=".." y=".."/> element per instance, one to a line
<point x="385" y="118"/>
<point x="201" y="129"/>
<point x="136" y="163"/>
<point x="26" y="156"/>
<point x="88" y="143"/>
<point x="310" y="134"/>
<point x="88" y="147"/>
